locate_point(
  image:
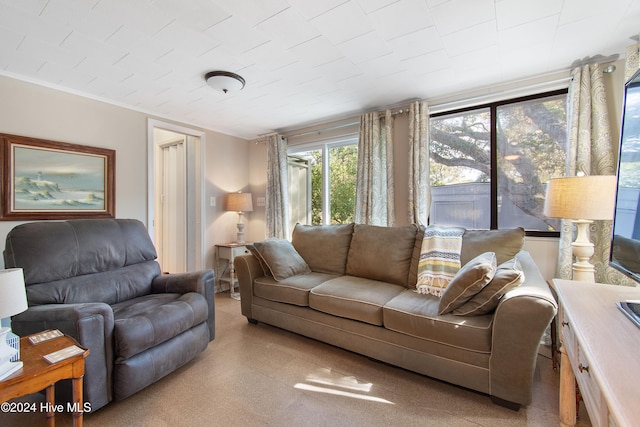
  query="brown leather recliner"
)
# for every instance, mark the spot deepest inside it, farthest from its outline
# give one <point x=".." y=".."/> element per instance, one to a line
<point x="97" y="280"/>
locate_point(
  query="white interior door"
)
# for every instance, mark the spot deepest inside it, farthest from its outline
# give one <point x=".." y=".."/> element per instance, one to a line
<point x="173" y="250"/>
<point x="176" y="194"/>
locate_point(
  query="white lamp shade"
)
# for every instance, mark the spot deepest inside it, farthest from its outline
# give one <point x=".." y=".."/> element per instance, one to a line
<point x="239" y="202"/>
<point x="581" y="197"/>
<point x="13" y="295"/>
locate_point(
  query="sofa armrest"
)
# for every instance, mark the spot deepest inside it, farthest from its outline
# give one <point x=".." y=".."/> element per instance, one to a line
<point x="91" y="324"/>
<point x="247" y="270"/>
<point x="520" y="320"/>
<point x="202" y="282"/>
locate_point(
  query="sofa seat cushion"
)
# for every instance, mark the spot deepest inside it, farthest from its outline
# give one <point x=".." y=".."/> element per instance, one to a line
<point x="354" y="298"/>
<point x="292" y="290"/>
<point x="416" y="314"/>
<point x="144" y="322"/>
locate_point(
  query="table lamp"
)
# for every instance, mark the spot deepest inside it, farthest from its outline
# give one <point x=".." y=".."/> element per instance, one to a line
<point x="241" y="203"/>
<point x="13" y="300"/>
<point x="582" y="199"/>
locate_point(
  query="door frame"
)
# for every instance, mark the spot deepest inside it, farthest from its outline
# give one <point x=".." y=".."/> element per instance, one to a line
<point x="200" y="180"/>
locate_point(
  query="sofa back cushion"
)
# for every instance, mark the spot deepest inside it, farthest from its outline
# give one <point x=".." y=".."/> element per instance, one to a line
<point x="505" y="243"/>
<point x="109" y="287"/>
<point x="323" y="247"/>
<point x="382" y="253"/>
<point x="54" y="251"/>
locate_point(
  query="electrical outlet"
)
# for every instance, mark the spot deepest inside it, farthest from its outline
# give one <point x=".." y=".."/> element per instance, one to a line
<point x="212" y="201"/>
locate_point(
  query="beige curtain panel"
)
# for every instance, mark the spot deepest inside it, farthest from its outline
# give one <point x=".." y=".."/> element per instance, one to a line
<point x="277" y="200"/>
<point x="374" y="185"/>
<point x="591" y="152"/>
<point x="419" y="186"/>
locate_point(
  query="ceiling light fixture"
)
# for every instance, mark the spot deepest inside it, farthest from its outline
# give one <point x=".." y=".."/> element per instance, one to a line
<point x="224" y="81"/>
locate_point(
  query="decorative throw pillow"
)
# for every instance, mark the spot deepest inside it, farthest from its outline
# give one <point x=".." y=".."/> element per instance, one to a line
<point x="509" y="275"/>
<point x="255" y="253"/>
<point x="468" y="281"/>
<point x="281" y="258"/>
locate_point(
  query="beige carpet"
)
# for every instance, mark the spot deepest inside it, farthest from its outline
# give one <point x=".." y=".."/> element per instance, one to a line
<point x="259" y="375"/>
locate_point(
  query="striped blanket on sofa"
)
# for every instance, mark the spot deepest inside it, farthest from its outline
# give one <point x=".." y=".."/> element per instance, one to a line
<point x="439" y="258"/>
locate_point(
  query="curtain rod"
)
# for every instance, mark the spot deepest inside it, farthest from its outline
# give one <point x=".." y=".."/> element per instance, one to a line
<point x="324" y="129"/>
<point x="597" y="59"/>
<point x="488" y="97"/>
<point x="355" y="121"/>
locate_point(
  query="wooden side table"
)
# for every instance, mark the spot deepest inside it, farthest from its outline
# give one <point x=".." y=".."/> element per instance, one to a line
<point x="228" y="251"/>
<point x="37" y="374"/>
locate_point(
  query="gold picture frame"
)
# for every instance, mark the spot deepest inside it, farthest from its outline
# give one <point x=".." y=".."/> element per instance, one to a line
<point x="44" y="179"/>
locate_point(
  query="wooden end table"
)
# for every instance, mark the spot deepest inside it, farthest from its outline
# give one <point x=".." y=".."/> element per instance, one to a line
<point x="37" y="374"/>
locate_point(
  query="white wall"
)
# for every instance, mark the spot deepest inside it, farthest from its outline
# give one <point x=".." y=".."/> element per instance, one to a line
<point x="36" y="111"/>
<point x="258" y="185"/>
<point x="227" y="171"/>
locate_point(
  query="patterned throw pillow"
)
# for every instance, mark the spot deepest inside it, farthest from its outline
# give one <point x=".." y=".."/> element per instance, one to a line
<point x="469" y="280"/>
<point x="509" y="275"/>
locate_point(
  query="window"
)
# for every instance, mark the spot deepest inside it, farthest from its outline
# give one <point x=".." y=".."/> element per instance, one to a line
<point x="322" y="182"/>
<point x="490" y="164"/>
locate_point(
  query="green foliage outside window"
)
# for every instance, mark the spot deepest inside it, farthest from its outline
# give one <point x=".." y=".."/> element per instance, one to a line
<point x="342" y="184"/>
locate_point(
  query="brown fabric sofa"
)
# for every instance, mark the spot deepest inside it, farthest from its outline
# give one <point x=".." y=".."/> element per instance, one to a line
<point x="353" y="286"/>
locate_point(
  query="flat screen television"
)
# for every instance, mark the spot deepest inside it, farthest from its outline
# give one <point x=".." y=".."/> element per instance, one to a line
<point x="625" y="243"/>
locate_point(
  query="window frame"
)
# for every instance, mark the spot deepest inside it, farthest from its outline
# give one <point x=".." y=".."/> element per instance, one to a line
<point x="324" y="146"/>
<point x="493" y="109"/>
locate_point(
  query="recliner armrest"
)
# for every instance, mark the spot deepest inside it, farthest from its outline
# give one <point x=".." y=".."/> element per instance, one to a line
<point x="181" y="283"/>
<point x="66" y="317"/>
<point x="202" y="282"/>
<point x="91" y="324"/>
